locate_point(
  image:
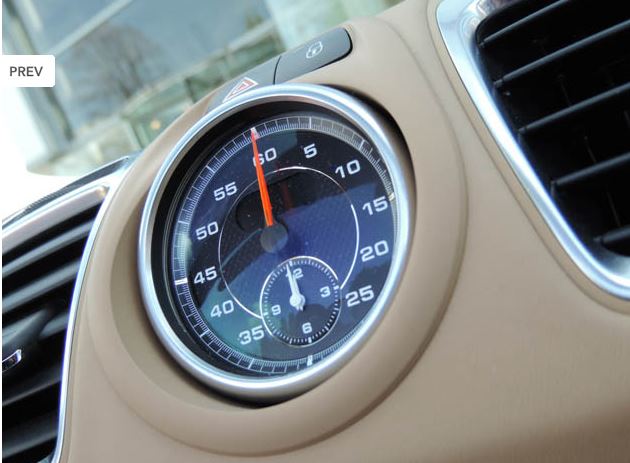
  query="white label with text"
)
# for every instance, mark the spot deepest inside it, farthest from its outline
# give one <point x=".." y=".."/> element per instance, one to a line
<point x="28" y="70"/>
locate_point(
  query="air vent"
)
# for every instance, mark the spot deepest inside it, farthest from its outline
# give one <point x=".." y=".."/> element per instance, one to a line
<point x="560" y="73"/>
<point x="40" y="264"/>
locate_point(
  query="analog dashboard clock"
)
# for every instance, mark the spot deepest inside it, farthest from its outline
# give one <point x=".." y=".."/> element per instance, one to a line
<point x="273" y="237"/>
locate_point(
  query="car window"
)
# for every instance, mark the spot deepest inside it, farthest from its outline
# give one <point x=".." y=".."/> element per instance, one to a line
<point x="125" y="69"/>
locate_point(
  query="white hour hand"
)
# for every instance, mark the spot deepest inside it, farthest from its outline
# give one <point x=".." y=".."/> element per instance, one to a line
<point x="297" y="300"/>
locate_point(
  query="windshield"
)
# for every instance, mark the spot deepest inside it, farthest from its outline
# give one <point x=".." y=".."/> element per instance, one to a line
<point x="125" y="69"/>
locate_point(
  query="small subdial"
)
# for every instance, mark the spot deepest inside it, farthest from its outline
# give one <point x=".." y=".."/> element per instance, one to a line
<point x="300" y="301"/>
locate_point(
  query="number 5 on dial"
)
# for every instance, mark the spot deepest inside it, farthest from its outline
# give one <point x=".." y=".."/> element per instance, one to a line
<point x="310" y="151"/>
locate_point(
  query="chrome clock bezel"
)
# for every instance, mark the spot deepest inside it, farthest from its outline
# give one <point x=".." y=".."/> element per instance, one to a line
<point x="282" y="387"/>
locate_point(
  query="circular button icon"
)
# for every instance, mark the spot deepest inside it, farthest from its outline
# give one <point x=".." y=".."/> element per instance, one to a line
<point x="314" y="49"/>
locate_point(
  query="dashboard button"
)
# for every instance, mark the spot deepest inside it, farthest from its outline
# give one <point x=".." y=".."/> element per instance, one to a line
<point x="261" y="75"/>
<point x="319" y="52"/>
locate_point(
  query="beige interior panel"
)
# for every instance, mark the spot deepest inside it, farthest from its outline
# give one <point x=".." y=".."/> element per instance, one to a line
<point x="494" y="348"/>
<point x="141" y="374"/>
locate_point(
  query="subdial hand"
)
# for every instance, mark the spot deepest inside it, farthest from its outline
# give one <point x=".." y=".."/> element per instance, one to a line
<point x="297" y="299"/>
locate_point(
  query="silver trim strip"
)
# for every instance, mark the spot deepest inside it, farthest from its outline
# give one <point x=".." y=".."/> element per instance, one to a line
<point x="111" y="182"/>
<point x="457" y="21"/>
<point x="51" y="214"/>
<point x="267" y="389"/>
<point x="55" y="212"/>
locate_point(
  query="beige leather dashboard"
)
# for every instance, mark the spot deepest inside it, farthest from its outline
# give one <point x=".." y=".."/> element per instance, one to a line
<point x="495" y="347"/>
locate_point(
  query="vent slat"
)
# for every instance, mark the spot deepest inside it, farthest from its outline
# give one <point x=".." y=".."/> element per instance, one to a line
<point x="523" y="22"/>
<point x="54" y="327"/>
<point x="28" y="435"/>
<point x="43" y="379"/>
<point x="616" y="239"/>
<point x="577" y="109"/>
<point x="39" y="253"/>
<point x="594" y="173"/>
<point x="40" y="287"/>
<point x="561" y="54"/>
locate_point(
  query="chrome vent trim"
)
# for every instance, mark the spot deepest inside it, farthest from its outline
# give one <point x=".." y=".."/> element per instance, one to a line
<point x="96" y="190"/>
<point x="112" y="181"/>
<point x="457" y="21"/>
<point x="52" y="214"/>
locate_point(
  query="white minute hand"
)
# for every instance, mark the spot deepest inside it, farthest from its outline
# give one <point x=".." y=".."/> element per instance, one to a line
<point x="297" y="300"/>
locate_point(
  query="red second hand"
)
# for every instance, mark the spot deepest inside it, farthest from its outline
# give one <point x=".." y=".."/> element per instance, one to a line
<point x="262" y="183"/>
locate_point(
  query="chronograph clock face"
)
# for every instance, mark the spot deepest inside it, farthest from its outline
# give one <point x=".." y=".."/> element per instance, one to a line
<point x="272" y="240"/>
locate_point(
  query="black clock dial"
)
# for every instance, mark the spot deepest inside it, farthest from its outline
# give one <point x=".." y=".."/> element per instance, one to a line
<point x="331" y="200"/>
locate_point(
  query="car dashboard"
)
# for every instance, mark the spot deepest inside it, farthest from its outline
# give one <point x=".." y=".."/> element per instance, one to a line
<point x="381" y="245"/>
